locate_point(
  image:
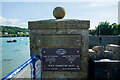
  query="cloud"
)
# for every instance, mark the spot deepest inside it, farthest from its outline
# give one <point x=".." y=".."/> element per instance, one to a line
<point x="12" y="22"/>
<point x="101" y="4"/>
<point x="5" y="21"/>
<point x="23" y="25"/>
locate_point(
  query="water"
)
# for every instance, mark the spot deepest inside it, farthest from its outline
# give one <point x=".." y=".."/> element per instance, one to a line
<point x="13" y="54"/>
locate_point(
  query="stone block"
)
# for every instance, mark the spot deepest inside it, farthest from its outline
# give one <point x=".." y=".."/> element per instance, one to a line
<point x="115" y="49"/>
<point x="92" y="54"/>
<point x="108" y="54"/>
<point x="59" y="23"/>
<point x="105" y="69"/>
<point x="99" y="50"/>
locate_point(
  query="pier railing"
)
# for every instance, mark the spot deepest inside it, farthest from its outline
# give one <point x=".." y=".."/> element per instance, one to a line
<point x="33" y="62"/>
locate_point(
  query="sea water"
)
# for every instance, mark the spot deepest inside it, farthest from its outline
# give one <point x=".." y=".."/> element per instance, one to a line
<point x="13" y="54"/>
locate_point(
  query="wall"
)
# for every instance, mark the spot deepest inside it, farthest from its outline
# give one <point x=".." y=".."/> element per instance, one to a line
<point x="94" y="40"/>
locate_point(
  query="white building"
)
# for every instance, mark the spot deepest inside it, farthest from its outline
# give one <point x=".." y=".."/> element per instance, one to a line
<point x="5" y="32"/>
<point x="20" y="32"/>
<point x="26" y="32"/>
<point x="119" y="12"/>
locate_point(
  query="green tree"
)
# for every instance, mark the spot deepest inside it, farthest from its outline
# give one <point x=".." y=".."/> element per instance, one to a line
<point x="115" y="29"/>
<point x="92" y="32"/>
<point x="119" y="29"/>
<point x="104" y="28"/>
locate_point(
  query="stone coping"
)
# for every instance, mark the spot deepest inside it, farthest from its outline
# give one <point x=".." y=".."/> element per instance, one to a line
<point x="59" y="24"/>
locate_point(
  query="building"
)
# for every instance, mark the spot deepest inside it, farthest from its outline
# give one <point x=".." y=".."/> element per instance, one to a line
<point x="20" y="32"/>
<point x="26" y="32"/>
<point x="5" y="32"/>
<point x="119" y="12"/>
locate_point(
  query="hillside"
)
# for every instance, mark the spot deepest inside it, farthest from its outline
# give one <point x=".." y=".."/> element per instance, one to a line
<point x="13" y="31"/>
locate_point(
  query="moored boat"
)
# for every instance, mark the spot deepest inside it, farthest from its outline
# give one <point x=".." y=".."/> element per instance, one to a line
<point x="12" y="41"/>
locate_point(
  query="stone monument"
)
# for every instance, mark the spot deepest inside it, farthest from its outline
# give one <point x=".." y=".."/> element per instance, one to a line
<point x="62" y="45"/>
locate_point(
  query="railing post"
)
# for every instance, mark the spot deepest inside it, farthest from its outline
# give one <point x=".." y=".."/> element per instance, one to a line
<point x="34" y="74"/>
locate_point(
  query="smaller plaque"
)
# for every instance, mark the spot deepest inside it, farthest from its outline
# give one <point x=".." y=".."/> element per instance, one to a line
<point x="61" y="59"/>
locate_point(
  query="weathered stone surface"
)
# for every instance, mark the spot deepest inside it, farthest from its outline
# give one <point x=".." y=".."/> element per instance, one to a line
<point x="108" y="54"/>
<point x="92" y="54"/>
<point x="115" y="49"/>
<point x="59" y="24"/>
<point x="105" y="69"/>
<point x="59" y="12"/>
<point x="112" y="52"/>
<point x="99" y="50"/>
<point x="64" y="75"/>
<point x="105" y="40"/>
<point x="62" y="33"/>
<point x="58" y="41"/>
<point x="83" y="32"/>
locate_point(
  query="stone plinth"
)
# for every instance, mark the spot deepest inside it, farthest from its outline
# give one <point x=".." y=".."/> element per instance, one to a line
<point x="108" y="54"/>
<point x="92" y="54"/>
<point x="99" y="50"/>
<point x="61" y="33"/>
<point x="115" y="49"/>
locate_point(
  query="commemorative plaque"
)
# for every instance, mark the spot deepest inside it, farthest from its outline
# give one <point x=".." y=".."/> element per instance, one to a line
<point x="61" y="59"/>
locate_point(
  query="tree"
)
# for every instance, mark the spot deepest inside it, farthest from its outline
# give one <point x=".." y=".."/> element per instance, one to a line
<point x="115" y="29"/>
<point x="119" y="29"/>
<point x="104" y="28"/>
<point x="92" y="32"/>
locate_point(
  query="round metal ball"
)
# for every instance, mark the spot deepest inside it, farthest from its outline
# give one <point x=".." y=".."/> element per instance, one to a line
<point x="59" y="12"/>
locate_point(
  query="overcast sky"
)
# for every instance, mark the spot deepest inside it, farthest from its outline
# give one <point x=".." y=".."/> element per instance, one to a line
<point x="19" y="13"/>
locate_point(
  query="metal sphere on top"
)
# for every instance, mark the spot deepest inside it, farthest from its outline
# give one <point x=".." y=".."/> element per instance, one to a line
<point x="59" y="12"/>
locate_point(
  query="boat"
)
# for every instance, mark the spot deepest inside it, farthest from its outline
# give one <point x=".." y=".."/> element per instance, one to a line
<point x="12" y="41"/>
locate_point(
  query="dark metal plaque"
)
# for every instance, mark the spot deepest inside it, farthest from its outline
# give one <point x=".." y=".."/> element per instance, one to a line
<point x="61" y="59"/>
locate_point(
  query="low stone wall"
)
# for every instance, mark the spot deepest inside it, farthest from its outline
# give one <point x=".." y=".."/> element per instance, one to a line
<point x="111" y="51"/>
<point x="95" y="40"/>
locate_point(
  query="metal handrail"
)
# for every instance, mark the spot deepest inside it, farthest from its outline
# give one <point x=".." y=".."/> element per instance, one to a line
<point x="20" y="68"/>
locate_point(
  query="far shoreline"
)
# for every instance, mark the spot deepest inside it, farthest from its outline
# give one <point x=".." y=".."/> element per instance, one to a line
<point x="12" y="37"/>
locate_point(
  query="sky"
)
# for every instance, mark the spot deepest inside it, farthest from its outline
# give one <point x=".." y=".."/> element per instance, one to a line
<point x="119" y="13"/>
<point x="19" y="13"/>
